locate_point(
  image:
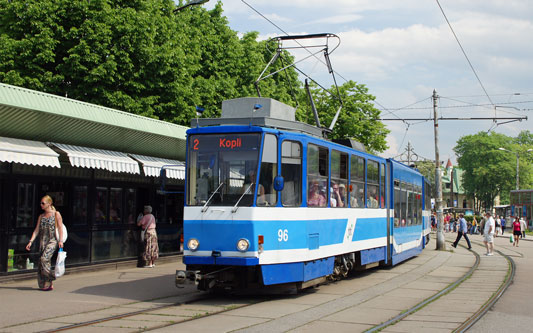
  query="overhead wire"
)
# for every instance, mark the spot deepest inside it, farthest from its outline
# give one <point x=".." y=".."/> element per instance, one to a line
<point x="464" y="52"/>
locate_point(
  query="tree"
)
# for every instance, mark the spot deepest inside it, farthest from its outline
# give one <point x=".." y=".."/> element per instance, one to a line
<point x="140" y="57"/>
<point x="358" y="119"/>
<point x="488" y="171"/>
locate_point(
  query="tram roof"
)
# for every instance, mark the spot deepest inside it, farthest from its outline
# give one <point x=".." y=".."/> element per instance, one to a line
<point x="30" y="114"/>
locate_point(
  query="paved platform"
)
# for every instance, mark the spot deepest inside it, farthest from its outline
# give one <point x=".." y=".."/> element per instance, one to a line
<point x="352" y="305"/>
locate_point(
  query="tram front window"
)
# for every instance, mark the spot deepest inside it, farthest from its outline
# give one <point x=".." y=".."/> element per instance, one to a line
<point x="222" y="167"/>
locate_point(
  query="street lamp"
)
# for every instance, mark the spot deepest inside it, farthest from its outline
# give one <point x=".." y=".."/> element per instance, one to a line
<point x="517" y="164"/>
<point x="190" y="3"/>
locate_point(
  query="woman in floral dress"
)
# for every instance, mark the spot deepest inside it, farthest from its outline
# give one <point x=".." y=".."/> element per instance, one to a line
<point x="45" y="229"/>
<point x="151" y="250"/>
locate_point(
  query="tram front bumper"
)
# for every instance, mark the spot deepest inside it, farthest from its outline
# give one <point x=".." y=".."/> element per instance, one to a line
<point x="186" y="277"/>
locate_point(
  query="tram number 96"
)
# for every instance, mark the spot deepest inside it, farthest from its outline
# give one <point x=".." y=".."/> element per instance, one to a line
<point x="283" y="235"/>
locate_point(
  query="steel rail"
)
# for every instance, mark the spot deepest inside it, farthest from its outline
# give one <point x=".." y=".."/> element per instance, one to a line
<point x="494" y="298"/>
<point x="428" y="300"/>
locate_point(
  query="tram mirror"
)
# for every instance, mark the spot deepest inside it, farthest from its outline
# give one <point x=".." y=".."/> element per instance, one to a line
<point x="279" y="183"/>
<point x="163" y="178"/>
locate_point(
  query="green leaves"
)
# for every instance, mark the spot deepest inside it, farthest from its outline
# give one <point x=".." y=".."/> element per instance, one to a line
<point x="140" y="57"/>
<point x="490" y="171"/>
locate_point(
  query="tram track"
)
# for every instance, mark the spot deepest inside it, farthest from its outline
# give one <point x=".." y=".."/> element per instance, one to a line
<point x="192" y="298"/>
<point x="478" y="314"/>
<point x="188" y="299"/>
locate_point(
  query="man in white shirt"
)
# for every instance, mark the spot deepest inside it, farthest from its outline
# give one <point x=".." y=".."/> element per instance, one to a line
<point x="488" y="233"/>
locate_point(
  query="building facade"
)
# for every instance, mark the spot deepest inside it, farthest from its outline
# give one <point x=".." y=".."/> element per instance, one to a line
<point x="453" y="193"/>
<point x="100" y="166"/>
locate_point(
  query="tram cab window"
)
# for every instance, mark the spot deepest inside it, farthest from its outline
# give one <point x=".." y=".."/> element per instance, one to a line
<point x="357" y="182"/>
<point x="317" y="176"/>
<point x="266" y="195"/>
<point x="291" y="170"/>
<point x="372" y="199"/>
<point x="222" y="167"/>
<point x="339" y="179"/>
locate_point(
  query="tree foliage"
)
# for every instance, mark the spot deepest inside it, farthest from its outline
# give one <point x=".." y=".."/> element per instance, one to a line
<point x="490" y="171"/>
<point x="140" y="57"/>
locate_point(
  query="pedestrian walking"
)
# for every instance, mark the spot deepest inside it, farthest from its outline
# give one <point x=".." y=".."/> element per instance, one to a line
<point x="523" y="227"/>
<point x="517" y="231"/>
<point x="504" y="222"/>
<point x="488" y="233"/>
<point x="474" y="226"/>
<point x="498" y="225"/>
<point x="151" y="247"/>
<point x="462" y="232"/>
<point x="47" y="223"/>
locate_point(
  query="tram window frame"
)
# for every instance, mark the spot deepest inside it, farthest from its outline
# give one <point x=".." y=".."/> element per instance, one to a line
<point x="357" y="181"/>
<point x="420" y="203"/>
<point x="397" y="205"/>
<point x="266" y="195"/>
<point x="403" y="203"/>
<point x="372" y="184"/>
<point x="317" y="174"/>
<point x="410" y="205"/>
<point x="291" y="171"/>
<point x="383" y="186"/>
<point x="339" y="176"/>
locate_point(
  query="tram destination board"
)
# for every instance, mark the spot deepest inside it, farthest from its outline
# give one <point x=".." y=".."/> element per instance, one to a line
<point x="219" y="142"/>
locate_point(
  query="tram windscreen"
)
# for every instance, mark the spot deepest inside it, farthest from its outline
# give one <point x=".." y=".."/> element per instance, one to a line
<point x="222" y="167"/>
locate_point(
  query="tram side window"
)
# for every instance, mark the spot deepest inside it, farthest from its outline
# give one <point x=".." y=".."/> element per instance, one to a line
<point x="410" y="205"/>
<point x="403" y="204"/>
<point x="266" y="195"/>
<point x="357" y="181"/>
<point x="397" y="204"/>
<point x="383" y="177"/>
<point x="419" y="206"/>
<point x="427" y="196"/>
<point x="372" y="185"/>
<point x="317" y="176"/>
<point x="339" y="178"/>
<point x="291" y="170"/>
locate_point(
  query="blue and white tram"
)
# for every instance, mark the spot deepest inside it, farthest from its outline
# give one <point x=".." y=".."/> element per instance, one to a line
<point x="279" y="207"/>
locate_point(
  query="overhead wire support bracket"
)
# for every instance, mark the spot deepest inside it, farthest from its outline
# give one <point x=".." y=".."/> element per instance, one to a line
<point x="323" y="48"/>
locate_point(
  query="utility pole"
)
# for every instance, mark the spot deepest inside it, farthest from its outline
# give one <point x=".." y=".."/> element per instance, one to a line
<point x="441" y="244"/>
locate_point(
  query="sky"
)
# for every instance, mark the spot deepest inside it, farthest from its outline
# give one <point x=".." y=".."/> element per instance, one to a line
<point x="403" y="50"/>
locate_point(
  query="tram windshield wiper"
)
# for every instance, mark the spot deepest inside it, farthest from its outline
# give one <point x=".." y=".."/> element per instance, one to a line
<point x="242" y="196"/>
<point x="206" y="205"/>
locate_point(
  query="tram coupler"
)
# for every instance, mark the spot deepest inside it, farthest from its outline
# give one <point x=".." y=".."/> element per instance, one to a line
<point x="187" y="277"/>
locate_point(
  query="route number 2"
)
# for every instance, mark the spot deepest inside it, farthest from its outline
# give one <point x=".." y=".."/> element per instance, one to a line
<point x="283" y="235"/>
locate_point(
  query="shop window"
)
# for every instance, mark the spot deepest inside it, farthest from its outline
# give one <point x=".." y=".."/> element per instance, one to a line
<point x="115" y="205"/>
<point x="317" y="176"/>
<point x="130" y="207"/>
<point x="291" y="170"/>
<point x="25" y="205"/>
<point x="79" y="205"/>
<point x="100" y="206"/>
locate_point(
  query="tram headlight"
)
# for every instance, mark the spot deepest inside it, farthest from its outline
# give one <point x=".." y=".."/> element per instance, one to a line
<point x="193" y="244"/>
<point x="243" y="245"/>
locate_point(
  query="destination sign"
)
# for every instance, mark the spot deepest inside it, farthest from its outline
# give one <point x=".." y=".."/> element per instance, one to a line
<point x="225" y="142"/>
